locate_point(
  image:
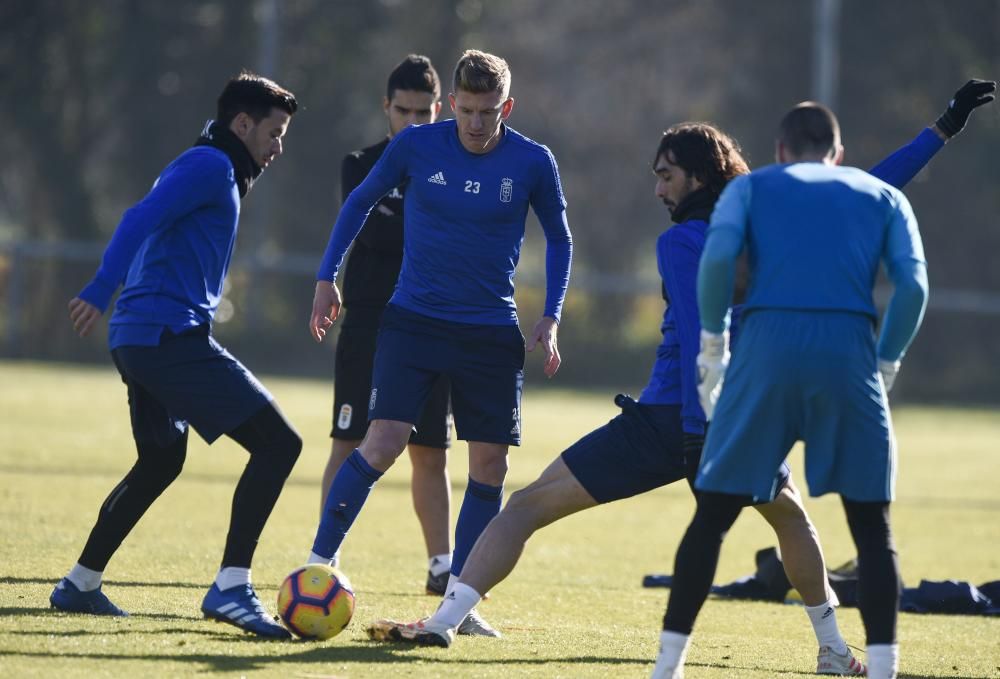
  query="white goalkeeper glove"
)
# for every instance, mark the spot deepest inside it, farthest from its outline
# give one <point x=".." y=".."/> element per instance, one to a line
<point x="888" y="370"/>
<point x="713" y="359"/>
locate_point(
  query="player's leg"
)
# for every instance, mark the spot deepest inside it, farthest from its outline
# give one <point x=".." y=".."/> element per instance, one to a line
<point x="203" y="383"/>
<point x="486" y="368"/>
<point x="431" y="492"/>
<point x="161" y="444"/>
<point x="340" y="450"/>
<point x="878" y="583"/>
<point x="805" y="566"/>
<point x="274" y="446"/>
<point x="851" y="450"/>
<point x="487" y="378"/>
<point x="753" y="428"/>
<point x="694" y="570"/>
<point x="430" y="485"/>
<point x="635" y="452"/>
<point x="403" y="374"/>
<point x="353" y="363"/>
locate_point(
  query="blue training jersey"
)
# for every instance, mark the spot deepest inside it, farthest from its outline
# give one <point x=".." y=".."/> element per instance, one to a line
<point x="464" y="217"/>
<point x="673" y="380"/>
<point x="171" y="250"/>
<point x="815" y="236"/>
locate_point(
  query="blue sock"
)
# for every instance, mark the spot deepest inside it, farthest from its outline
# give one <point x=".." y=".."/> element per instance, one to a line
<point x="480" y="505"/>
<point x="348" y="493"/>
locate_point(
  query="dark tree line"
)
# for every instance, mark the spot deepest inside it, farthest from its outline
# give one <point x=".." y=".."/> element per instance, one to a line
<point x="98" y="96"/>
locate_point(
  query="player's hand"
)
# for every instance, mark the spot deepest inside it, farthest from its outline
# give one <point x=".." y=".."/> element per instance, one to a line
<point x="888" y="370"/>
<point x="326" y="308"/>
<point x="546" y="332"/>
<point x="970" y="96"/>
<point x="84" y="315"/>
<point x="713" y="359"/>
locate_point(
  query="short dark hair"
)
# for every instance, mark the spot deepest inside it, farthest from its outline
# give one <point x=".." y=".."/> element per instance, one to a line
<point x="481" y="73"/>
<point x="809" y="128"/>
<point x="254" y="95"/>
<point x="703" y="151"/>
<point x="416" y="73"/>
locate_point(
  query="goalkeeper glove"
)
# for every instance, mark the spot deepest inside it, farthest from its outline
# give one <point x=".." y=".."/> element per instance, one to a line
<point x="713" y="359"/>
<point x="888" y="370"/>
<point x="971" y="95"/>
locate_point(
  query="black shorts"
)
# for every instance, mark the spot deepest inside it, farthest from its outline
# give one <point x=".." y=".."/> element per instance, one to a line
<point x="639" y="450"/>
<point x="352" y="386"/>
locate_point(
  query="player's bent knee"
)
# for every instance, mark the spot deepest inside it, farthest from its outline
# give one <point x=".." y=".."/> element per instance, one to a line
<point x="785" y="510"/>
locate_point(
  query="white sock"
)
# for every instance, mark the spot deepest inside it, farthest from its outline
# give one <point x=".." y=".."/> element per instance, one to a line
<point x="230" y="577"/>
<point x="452" y="581"/>
<point x="335" y="561"/>
<point x="883" y="661"/>
<point x="325" y="560"/>
<point x="673" y="650"/>
<point x="86" y="580"/>
<point x="456" y="605"/>
<point x="439" y="563"/>
<point x="824" y="622"/>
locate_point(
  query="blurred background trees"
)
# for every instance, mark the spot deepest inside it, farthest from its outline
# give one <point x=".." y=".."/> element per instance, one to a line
<point x="98" y="96"/>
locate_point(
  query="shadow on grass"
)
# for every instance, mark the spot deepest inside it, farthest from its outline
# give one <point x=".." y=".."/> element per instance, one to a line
<point x="199" y="476"/>
<point x="119" y="632"/>
<point x="14" y="580"/>
<point x="48" y="611"/>
<point x="365" y="653"/>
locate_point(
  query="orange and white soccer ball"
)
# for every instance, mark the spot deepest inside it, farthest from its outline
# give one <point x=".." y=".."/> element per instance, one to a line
<point x="316" y="601"/>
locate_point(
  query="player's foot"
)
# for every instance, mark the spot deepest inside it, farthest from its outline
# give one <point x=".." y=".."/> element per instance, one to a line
<point x="240" y="606"/>
<point x="66" y="597"/>
<point x="828" y="662"/>
<point x="422" y="632"/>
<point x="475" y="626"/>
<point x="437" y="584"/>
<point x="662" y="670"/>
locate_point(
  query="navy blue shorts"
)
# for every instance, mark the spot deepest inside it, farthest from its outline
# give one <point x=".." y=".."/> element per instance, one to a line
<point x="484" y="363"/>
<point x="639" y="450"/>
<point x="187" y="378"/>
<point x="352" y="385"/>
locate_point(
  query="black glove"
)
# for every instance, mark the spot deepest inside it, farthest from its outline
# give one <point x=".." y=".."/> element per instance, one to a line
<point x="693" y="443"/>
<point x="971" y="95"/>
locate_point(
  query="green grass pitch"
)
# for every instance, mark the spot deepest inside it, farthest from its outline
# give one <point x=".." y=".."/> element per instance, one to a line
<point x="572" y="608"/>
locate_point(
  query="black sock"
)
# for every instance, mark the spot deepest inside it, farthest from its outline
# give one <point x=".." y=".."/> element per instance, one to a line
<point x="878" y="569"/>
<point x="156" y="468"/>
<point x="698" y="557"/>
<point x="274" y="447"/>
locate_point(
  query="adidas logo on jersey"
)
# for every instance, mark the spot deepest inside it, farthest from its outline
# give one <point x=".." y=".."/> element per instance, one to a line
<point x="438" y="179"/>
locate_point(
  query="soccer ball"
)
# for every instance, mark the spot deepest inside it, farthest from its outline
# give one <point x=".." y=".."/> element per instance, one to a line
<point x="316" y="601"/>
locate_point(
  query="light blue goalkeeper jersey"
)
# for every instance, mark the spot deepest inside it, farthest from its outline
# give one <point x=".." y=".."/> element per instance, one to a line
<point x="815" y="236"/>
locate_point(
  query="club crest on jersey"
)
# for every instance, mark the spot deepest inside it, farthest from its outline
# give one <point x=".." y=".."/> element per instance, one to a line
<point x="344" y="418"/>
<point x="371" y="401"/>
<point x="437" y="178"/>
<point x="506" y="189"/>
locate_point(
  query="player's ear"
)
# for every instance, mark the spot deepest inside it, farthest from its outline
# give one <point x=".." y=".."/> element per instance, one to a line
<point x="779" y="152"/>
<point x="838" y="154"/>
<point x="436" y="108"/>
<point x="451" y="101"/>
<point x="385" y="104"/>
<point x="241" y="125"/>
<point x="506" y="108"/>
